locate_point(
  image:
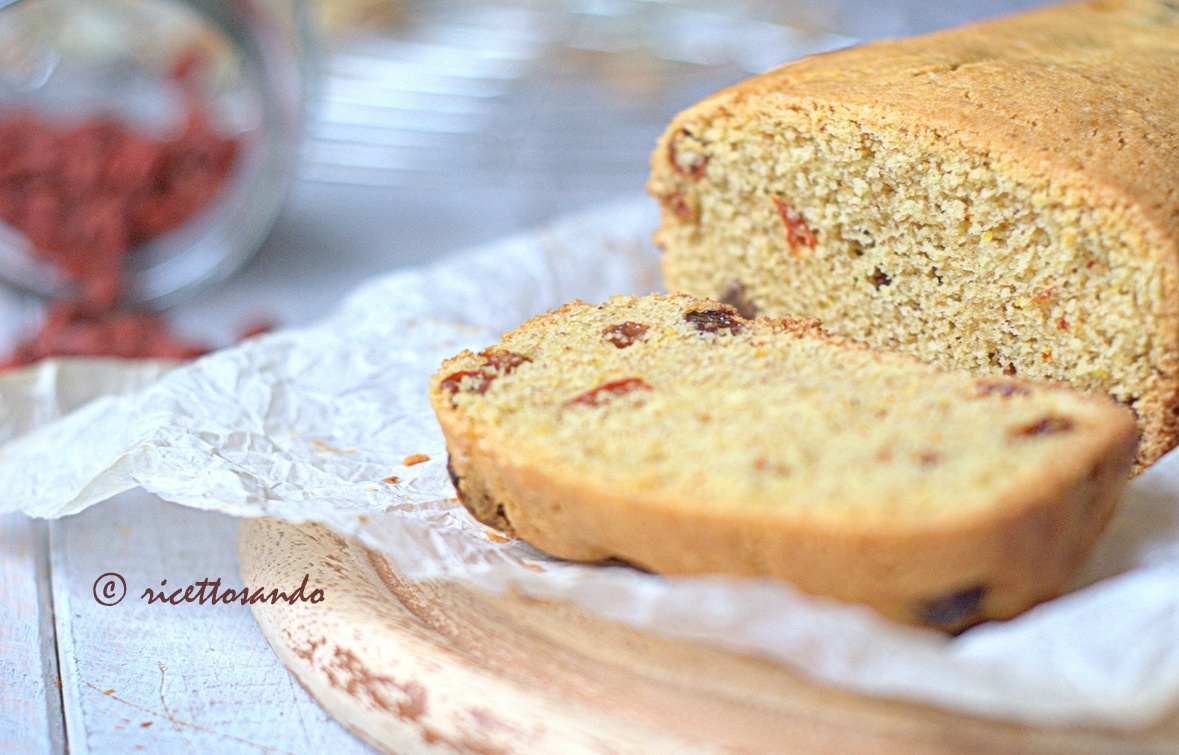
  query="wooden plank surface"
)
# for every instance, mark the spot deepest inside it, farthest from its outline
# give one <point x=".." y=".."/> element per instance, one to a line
<point x="438" y="667"/>
<point x="166" y="678"/>
<point x="30" y="701"/>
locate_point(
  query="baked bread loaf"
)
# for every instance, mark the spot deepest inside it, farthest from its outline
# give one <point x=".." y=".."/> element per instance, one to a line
<point x="1000" y="198"/>
<point x="674" y="434"/>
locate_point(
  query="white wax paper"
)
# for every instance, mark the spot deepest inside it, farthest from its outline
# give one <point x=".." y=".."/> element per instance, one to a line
<point x="315" y="424"/>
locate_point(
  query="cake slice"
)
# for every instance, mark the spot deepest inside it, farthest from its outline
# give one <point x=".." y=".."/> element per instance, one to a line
<point x="1000" y="198"/>
<point x="674" y="434"/>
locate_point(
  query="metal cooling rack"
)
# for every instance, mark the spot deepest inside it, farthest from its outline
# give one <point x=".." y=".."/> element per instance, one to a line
<point x="552" y="93"/>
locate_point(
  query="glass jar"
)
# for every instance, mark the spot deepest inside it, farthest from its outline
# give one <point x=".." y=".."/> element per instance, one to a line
<point x="145" y="145"/>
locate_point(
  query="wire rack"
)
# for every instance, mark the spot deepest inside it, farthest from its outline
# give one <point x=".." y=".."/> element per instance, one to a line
<point x="554" y="94"/>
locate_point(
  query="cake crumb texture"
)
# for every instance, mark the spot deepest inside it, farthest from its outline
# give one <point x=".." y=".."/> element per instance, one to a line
<point x="1000" y="198"/>
<point x="674" y="433"/>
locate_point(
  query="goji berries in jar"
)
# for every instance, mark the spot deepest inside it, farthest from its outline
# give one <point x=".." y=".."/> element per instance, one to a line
<point x="145" y="145"/>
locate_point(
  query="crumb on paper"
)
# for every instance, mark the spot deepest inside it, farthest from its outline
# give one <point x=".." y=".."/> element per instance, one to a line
<point x="413" y="459"/>
<point x="324" y="448"/>
<point x="362" y="518"/>
<point x="497" y="537"/>
<point x="533" y="567"/>
<point x="391" y="479"/>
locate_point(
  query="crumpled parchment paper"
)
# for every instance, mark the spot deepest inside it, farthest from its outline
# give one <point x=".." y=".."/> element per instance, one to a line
<point x="315" y="424"/>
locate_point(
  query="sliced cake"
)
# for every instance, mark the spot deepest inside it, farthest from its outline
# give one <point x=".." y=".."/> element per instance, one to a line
<point x="675" y="434"/>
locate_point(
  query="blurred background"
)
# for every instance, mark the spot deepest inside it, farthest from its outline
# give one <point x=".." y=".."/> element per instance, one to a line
<point x="412" y="127"/>
<point x="464" y="121"/>
<point x="148" y="147"/>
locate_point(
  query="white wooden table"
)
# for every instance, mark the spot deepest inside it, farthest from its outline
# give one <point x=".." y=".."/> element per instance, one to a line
<point x="159" y="678"/>
<point x="80" y="676"/>
<point x="136" y="677"/>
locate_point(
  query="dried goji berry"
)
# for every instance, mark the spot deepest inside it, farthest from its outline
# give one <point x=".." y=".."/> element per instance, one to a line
<point x="84" y="194"/>
<point x="1050" y="425"/>
<point x="596" y="396"/>
<point x="453" y="383"/>
<point x="737" y="297"/>
<point x="798" y="233"/>
<point x="1044" y="295"/>
<point x="690" y="164"/>
<point x="502" y="361"/>
<point x="714" y="320"/>
<point x="624" y="333"/>
<point x="1000" y="388"/>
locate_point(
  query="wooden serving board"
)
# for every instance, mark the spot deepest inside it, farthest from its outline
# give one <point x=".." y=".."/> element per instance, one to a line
<point x="428" y="667"/>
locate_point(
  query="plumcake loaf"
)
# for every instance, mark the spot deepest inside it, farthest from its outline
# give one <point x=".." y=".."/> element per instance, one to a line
<point x="676" y="435"/>
<point x="1002" y="198"/>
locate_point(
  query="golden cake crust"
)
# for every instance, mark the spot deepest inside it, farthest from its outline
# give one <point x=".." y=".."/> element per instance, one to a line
<point x="948" y="571"/>
<point x="1081" y="91"/>
<point x="1080" y="102"/>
